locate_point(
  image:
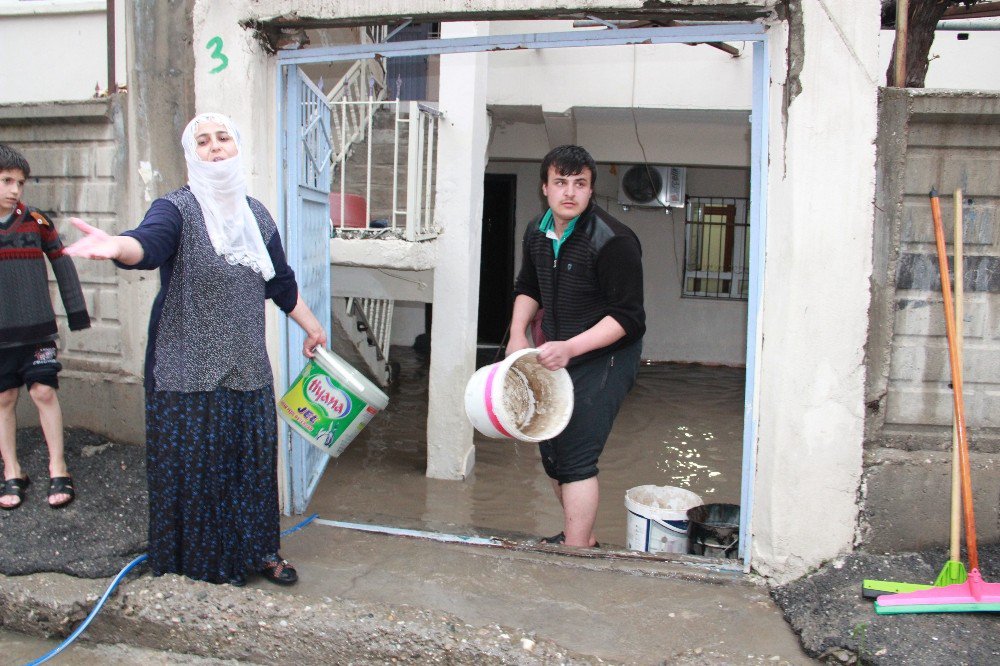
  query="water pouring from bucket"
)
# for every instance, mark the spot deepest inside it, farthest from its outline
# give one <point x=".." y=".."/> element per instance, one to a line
<point x="518" y="398"/>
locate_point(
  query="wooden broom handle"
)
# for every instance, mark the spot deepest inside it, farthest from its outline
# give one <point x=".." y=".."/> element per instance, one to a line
<point x="956" y="380"/>
<point x="955" y="541"/>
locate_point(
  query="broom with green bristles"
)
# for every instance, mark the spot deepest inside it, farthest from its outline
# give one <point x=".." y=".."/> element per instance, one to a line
<point x="954" y="570"/>
<point x="974" y="594"/>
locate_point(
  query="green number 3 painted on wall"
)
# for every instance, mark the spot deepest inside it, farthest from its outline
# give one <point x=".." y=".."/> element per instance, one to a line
<point x="216" y="45"/>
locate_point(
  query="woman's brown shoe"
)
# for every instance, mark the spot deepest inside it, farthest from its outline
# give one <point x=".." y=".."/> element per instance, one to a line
<point x="277" y="570"/>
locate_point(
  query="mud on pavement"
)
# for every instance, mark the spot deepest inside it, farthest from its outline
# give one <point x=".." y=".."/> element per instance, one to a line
<point x="255" y="626"/>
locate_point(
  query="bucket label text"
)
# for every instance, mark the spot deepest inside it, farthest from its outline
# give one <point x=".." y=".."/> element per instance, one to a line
<point x="323" y="409"/>
<point x="323" y="394"/>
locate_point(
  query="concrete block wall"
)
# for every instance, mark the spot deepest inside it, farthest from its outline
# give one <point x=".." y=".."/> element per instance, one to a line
<point x="77" y="157"/>
<point x="943" y="140"/>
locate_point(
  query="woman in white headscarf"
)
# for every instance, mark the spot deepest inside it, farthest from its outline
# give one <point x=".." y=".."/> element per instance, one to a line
<point x="210" y="413"/>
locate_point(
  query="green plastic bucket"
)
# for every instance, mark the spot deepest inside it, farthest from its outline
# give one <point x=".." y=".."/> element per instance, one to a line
<point x="330" y="402"/>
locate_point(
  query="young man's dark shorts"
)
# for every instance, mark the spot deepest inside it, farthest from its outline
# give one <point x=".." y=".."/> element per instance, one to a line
<point x="599" y="389"/>
<point x="29" y="364"/>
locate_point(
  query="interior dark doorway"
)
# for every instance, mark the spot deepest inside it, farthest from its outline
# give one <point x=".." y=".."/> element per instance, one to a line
<point x="496" y="268"/>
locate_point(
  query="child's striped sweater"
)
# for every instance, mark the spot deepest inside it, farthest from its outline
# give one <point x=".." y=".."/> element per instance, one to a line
<point x="26" y="315"/>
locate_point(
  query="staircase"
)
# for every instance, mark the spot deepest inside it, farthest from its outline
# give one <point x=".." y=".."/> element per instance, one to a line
<point x="357" y="340"/>
<point x="382" y="184"/>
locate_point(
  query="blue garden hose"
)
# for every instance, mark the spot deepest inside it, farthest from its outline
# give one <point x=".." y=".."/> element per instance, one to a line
<point x="111" y="588"/>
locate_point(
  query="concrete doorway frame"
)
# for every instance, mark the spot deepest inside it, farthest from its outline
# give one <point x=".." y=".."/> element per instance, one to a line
<point x="754" y="33"/>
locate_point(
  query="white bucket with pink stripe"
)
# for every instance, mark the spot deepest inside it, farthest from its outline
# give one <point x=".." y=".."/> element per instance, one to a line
<point x="517" y="398"/>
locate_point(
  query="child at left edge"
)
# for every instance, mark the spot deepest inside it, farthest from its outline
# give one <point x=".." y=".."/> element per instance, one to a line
<point x="28" y="330"/>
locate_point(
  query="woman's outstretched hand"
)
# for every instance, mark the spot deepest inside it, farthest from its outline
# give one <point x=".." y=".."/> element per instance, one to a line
<point x="95" y="244"/>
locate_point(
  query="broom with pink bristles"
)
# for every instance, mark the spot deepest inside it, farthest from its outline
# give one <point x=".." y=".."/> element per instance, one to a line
<point x="975" y="594"/>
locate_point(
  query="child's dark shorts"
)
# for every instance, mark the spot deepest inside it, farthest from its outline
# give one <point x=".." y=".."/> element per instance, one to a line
<point x="29" y="364"/>
<point x="599" y="389"/>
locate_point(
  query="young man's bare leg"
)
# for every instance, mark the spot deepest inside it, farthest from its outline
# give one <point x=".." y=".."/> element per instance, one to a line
<point x="580" y="500"/>
<point x="8" y="440"/>
<point x="557" y="489"/>
<point x="50" y="416"/>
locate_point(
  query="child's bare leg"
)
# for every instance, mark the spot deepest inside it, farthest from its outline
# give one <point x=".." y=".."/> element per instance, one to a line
<point x="50" y="416"/>
<point x="8" y="440"/>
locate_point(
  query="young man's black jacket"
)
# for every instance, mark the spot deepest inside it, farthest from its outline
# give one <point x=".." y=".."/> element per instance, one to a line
<point x="598" y="274"/>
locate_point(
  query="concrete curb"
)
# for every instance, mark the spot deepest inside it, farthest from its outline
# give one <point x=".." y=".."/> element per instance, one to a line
<point x="257" y="626"/>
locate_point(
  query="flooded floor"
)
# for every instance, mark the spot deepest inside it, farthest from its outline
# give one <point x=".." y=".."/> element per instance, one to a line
<point x="681" y="426"/>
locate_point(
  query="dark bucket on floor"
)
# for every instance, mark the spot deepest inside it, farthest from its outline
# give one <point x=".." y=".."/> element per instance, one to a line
<point x="714" y="530"/>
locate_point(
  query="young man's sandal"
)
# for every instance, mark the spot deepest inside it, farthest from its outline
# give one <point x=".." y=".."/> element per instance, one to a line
<point x="61" y="485"/>
<point x="558" y="540"/>
<point x="14" y="488"/>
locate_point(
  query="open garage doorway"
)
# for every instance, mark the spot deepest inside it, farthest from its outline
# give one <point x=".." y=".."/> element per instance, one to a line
<point x="691" y="420"/>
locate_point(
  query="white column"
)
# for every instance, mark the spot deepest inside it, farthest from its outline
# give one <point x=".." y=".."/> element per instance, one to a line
<point x="821" y="185"/>
<point x="462" y="149"/>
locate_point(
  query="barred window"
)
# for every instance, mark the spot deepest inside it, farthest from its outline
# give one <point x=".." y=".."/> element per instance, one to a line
<point x="716" y="248"/>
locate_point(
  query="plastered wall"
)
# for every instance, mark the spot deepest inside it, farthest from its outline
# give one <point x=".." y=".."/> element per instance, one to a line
<point x="947" y="140"/>
<point x="821" y="178"/>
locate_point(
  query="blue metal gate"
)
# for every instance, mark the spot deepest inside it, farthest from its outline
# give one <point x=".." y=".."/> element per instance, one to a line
<point x="305" y="155"/>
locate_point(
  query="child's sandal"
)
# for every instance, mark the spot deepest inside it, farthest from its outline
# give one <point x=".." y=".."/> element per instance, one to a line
<point x="14" y="488"/>
<point x="61" y="485"/>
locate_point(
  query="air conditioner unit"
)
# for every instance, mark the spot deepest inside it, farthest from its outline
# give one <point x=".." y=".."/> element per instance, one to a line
<point x="652" y="186"/>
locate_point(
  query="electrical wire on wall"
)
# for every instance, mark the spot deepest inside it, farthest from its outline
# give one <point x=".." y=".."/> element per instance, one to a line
<point x="678" y="267"/>
<point x="420" y="284"/>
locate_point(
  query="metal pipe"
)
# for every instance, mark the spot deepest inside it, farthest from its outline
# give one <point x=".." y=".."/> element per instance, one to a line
<point x="722" y="46"/>
<point x="970" y="26"/>
<point x="899" y="51"/>
<point x="420" y="534"/>
<point x="110" y="12"/>
<point x="626" y="23"/>
<point x="615" y="25"/>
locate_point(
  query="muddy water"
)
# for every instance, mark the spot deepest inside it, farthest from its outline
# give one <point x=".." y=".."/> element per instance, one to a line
<point x="680" y="426"/>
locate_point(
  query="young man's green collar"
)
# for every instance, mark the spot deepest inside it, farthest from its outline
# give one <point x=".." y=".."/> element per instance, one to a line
<point x="548" y="227"/>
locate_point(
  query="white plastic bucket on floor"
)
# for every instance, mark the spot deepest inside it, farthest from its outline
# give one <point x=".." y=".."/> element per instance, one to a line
<point x="518" y="398"/>
<point x="657" y="518"/>
<point x="330" y="402"/>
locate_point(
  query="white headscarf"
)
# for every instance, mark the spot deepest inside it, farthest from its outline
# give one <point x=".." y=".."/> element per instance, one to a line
<point x="221" y="190"/>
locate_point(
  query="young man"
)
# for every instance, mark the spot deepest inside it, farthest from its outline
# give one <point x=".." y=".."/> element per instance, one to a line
<point x="584" y="268"/>
<point x="28" y="330"/>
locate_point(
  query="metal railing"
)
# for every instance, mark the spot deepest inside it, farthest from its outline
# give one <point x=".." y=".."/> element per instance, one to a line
<point x="374" y="317"/>
<point x="409" y="210"/>
<point x="422" y="124"/>
<point x="363" y="87"/>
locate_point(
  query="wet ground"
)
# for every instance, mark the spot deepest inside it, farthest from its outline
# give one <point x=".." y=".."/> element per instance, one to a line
<point x="833" y="621"/>
<point x="375" y="598"/>
<point x="21" y="649"/>
<point x="681" y="426"/>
